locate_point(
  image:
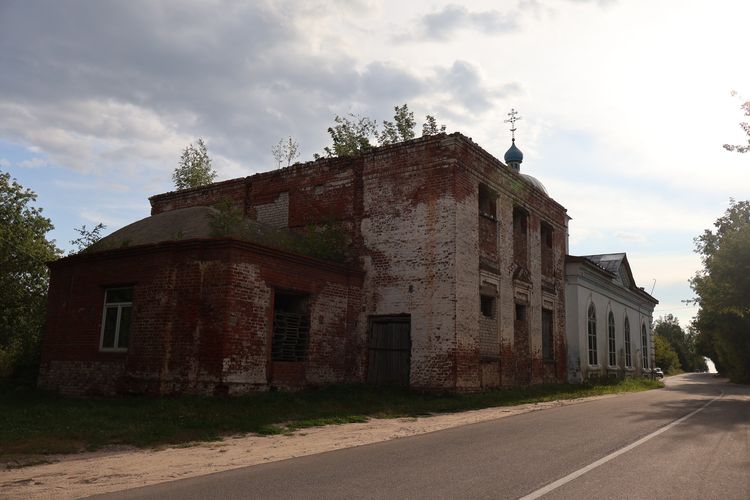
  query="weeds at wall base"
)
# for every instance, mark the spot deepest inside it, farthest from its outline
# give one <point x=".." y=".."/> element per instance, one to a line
<point x="34" y="423"/>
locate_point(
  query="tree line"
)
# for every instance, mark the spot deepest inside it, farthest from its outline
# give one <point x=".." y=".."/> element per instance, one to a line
<point x="722" y="287"/>
<point x="722" y="291"/>
<point x="675" y="349"/>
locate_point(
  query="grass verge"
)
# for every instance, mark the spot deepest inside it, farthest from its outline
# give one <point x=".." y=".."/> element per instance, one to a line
<point x="36" y="423"/>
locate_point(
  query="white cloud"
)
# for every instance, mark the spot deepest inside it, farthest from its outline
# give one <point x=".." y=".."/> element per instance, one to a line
<point x="620" y="210"/>
<point x="4" y="163"/>
<point x="634" y="237"/>
<point x="115" y="91"/>
<point x="33" y="163"/>
<point x="666" y="269"/>
<point x="98" y="185"/>
<point x="443" y="24"/>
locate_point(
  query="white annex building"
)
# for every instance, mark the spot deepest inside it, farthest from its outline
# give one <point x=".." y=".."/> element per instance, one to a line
<point x="608" y="318"/>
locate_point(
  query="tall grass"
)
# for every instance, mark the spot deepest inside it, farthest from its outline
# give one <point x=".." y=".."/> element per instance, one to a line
<point x="35" y="422"/>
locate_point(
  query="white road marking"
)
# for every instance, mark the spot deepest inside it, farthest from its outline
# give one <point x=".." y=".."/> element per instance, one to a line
<point x="573" y="475"/>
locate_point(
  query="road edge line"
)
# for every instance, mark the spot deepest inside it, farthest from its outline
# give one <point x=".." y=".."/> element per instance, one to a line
<point x="583" y="470"/>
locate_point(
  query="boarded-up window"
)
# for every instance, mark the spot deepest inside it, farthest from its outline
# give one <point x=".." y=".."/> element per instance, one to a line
<point x="548" y="349"/>
<point x="389" y="360"/>
<point x="291" y="327"/>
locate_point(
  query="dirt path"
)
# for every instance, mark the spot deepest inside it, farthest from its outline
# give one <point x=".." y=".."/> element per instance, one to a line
<point x="74" y="476"/>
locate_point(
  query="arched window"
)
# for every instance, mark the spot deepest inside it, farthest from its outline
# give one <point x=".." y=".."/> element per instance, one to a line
<point x="644" y="343"/>
<point x="593" y="360"/>
<point x="611" y="340"/>
<point x="628" y="355"/>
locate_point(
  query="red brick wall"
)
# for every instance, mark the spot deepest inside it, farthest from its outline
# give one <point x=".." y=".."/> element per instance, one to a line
<point x="411" y="211"/>
<point x="476" y="167"/>
<point x="408" y="231"/>
<point x="234" y="190"/>
<point x="201" y="318"/>
<point x="487" y="238"/>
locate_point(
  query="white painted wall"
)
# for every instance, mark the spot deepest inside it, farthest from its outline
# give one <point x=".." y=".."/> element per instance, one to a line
<point x="585" y="285"/>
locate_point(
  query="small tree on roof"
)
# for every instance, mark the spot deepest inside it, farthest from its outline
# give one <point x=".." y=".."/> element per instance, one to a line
<point x="401" y="130"/>
<point x="430" y="126"/>
<point x="194" y="169"/>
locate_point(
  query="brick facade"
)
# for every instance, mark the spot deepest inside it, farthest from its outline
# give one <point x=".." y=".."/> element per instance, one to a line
<point x="202" y="315"/>
<point x="422" y="246"/>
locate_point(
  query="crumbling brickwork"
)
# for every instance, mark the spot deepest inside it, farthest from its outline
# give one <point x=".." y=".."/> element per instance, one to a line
<point x="429" y="225"/>
<point x="201" y="319"/>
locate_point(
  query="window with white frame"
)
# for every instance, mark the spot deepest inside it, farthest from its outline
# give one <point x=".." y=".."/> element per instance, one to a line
<point x="611" y="340"/>
<point x="644" y="343"/>
<point x="628" y="352"/>
<point x="593" y="357"/>
<point x="118" y="307"/>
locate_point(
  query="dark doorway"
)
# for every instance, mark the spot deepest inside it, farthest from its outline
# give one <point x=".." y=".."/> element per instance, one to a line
<point x="389" y="351"/>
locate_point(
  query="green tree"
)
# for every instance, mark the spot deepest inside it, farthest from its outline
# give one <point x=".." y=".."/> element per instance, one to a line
<point x="228" y="220"/>
<point x="723" y="292"/>
<point x="668" y="327"/>
<point x="741" y="148"/>
<point x="401" y="130"/>
<point x="194" y="169"/>
<point x="286" y="150"/>
<point x="24" y="250"/>
<point x="697" y="360"/>
<point x="350" y="136"/>
<point x="666" y="358"/>
<point x="430" y="126"/>
<point x="86" y="237"/>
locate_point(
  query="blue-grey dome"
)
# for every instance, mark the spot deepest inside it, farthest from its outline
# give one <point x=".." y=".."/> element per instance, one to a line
<point x="513" y="155"/>
<point x="536" y="183"/>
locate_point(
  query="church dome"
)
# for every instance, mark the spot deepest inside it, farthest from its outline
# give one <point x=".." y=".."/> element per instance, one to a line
<point x="536" y="183"/>
<point x="513" y="155"/>
<point x="187" y="224"/>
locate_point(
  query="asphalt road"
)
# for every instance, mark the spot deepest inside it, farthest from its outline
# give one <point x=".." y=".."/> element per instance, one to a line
<point x="630" y="446"/>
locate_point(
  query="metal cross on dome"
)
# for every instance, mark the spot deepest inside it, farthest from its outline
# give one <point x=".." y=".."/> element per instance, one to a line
<point x="512" y="120"/>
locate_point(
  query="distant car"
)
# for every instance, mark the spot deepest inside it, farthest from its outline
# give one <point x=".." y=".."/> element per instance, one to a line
<point x="658" y="373"/>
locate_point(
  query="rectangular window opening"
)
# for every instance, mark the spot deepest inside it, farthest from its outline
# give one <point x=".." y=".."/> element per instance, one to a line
<point x="487" y="201"/>
<point x="520" y="236"/>
<point x="520" y="312"/>
<point x="487" y="306"/>
<point x="116" y="319"/>
<point x="291" y="327"/>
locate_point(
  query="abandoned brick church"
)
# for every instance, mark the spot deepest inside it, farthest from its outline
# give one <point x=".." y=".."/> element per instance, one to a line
<point x="449" y="276"/>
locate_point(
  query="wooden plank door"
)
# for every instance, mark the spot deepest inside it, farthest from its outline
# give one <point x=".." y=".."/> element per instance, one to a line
<point x="389" y="351"/>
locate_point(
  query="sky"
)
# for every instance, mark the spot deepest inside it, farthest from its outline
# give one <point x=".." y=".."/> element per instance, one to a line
<point x="625" y="105"/>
